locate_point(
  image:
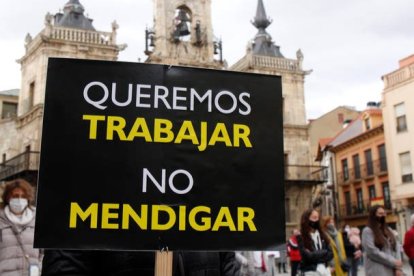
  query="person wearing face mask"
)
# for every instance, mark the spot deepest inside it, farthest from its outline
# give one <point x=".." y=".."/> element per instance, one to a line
<point x="17" y="219"/>
<point x="337" y="244"/>
<point x="381" y="249"/>
<point x="314" y="246"/>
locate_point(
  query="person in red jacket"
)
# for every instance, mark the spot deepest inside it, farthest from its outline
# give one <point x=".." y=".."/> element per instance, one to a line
<point x="409" y="243"/>
<point x="293" y="252"/>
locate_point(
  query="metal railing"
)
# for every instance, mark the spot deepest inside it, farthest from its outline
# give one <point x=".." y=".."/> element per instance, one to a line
<point x="364" y="171"/>
<point x="27" y="161"/>
<point x="306" y="173"/>
<point x="355" y="208"/>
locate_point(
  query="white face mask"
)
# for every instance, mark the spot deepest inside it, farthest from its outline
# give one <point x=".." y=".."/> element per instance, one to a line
<point x="17" y="205"/>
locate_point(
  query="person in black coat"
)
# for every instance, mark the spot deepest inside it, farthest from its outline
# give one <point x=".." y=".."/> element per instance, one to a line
<point x="205" y="263"/>
<point x="353" y="251"/>
<point x="128" y="263"/>
<point x="314" y="245"/>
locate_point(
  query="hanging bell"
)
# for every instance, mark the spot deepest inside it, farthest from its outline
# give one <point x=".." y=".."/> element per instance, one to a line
<point x="182" y="16"/>
<point x="216" y="48"/>
<point x="182" y="27"/>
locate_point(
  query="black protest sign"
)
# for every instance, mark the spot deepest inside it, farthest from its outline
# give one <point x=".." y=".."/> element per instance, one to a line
<point x="139" y="156"/>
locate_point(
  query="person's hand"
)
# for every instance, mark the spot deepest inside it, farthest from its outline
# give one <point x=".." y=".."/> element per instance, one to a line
<point x="332" y="269"/>
<point x="357" y="254"/>
<point x="398" y="272"/>
<point x="398" y="263"/>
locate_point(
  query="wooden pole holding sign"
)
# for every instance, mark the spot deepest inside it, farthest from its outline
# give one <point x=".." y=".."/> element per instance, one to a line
<point x="163" y="263"/>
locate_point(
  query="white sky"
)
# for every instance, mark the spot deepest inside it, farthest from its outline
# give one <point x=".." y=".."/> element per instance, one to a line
<point x="349" y="44"/>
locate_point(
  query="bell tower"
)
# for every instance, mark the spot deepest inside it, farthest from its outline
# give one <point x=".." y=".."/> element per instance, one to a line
<point x="183" y="35"/>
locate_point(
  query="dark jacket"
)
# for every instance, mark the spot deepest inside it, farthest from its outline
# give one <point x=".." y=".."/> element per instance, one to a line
<point x="311" y="258"/>
<point x="205" y="264"/>
<point x="349" y="247"/>
<point x="94" y="263"/>
<point x="125" y="263"/>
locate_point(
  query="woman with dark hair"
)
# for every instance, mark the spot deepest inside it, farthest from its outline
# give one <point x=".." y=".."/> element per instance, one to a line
<point x="380" y="246"/>
<point x="17" y="219"/>
<point x="314" y="246"/>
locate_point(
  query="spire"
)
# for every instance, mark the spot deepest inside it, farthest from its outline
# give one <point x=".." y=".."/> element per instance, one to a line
<point x="262" y="42"/>
<point x="261" y="21"/>
<point x="73" y="17"/>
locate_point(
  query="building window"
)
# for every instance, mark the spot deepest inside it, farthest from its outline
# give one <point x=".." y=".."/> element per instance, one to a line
<point x="357" y="168"/>
<point x="360" y="201"/>
<point x="368" y="162"/>
<point x="382" y="158"/>
<point x="31" y="95"/>
<point x="386" y="195"/>
<point x="348" y="206"/>
<point x="367" y="123"/>
<point x="9" y="110"/>
<point x="400" y="117"/>
<point x="345" y="170"/>
<point x="287" y="209"/>
<point x="285" y="158"/>
<point x="406" y="170"/>
<point x="371" y="191"/>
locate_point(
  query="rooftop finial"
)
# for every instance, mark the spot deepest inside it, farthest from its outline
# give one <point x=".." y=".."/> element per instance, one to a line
<point x="261" y="21"/>
<point x="262" y="42"/>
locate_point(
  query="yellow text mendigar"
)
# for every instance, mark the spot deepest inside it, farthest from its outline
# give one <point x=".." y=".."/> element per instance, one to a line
<point x="199" y="218"/>
<point x="163" y="132"/>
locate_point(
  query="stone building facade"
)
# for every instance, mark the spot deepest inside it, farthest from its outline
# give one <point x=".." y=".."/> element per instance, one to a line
<point x="67" y="34"/>
<point x="183" y="35"/>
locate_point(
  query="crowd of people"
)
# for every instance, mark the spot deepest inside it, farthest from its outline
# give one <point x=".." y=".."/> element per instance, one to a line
<point x="318" y="248"/>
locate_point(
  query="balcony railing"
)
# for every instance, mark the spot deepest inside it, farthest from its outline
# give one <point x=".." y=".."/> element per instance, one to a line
<point x="83" y="36"/>
<point x="253" y="61"/>
<point x="306" y="173"/>
<point x="364" y="171"/>
<point x="355" y="208"/>
<point x="27" y="161"/>
<point x="399" y="76"/>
